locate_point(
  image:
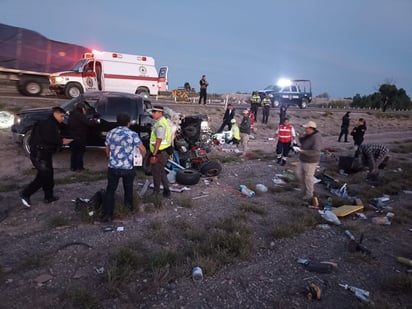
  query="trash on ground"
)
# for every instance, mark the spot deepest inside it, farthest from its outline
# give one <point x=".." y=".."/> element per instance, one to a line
<point x="145" y="186"/>
<point x="99" y="270"/>
<point x="277" y="181"/>
<point x="286" y="175"/>
<point x="200" y="196"/>
<point x="107" y="229"/>
<point x="323" y="226"/>
<point x="329" y="216"/>
<point x="261" y="187"/>
<point x="246" y="191"/>
<point x="404" y="261"/>
<point x="356" y="246"/>
<point x="174" y="188"/>
<point x="318" y="267"/>
<point x="120" y="228"/>
<point x="361" y="294"/>
<point x="314" y="292"/>
<point x="344" y="210"/>
<point x="407" y="191"/>
<point x="361" y="215"/>
<point x="381" y="220"/>
<point x="197" y="274"/>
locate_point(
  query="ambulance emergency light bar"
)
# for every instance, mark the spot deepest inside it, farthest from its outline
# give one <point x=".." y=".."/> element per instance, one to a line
<point x="114" y="55"/>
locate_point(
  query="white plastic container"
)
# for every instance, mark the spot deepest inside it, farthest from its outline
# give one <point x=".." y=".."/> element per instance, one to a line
<point x="197" y="274"/>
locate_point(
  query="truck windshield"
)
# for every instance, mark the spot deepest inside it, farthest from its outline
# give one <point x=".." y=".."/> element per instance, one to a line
<point x="275" y="88"/>
<point x="79" y="65"/>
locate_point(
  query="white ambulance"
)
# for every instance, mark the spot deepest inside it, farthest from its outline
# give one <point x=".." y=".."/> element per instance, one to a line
<point x="110" y="71"/>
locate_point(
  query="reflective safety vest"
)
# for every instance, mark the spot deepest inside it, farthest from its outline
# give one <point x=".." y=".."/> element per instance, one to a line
<point x="167" y="139"/>
<point x="266" y="102"/>
<point x="256" y="98"/>
<point x="235" y="131"/>
<point x="286" y="133"/>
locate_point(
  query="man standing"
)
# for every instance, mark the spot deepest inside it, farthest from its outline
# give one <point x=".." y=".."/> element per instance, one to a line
<point x="309" y="155"/>
<point x="45" y="140"/>
<point x="227" y="117"/>
<point x="285" y="134"/>
<point x="375" y="156"/>
<point x="203" y="86"/>
<point x="344" y="128"/>
<point x="79" y="126"/>
<point x="160" y="149"/>
<point x="120" y="145"/>
<point x="245" y="130"/>
<point x="266" y="109"/>
<point x="255" y="102"/>
<point x="282" y="112"/>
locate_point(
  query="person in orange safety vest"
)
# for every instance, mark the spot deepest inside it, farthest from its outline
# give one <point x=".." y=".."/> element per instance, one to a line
<point x="285" y="135"/>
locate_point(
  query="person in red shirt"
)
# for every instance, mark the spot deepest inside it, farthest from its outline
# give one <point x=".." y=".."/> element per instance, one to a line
<point x="285" y="135"/>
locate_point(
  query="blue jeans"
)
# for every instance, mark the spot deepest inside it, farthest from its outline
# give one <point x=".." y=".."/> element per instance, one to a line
<point x="113" y="177"/>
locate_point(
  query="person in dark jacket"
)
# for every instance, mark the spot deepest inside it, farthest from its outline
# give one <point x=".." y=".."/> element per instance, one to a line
<point x="358" y="132"/>
<point x="309" y="155"/>
<point x="244" y="129"/>
<point x="44" y="141"/>
<point x="344" y="128"/>
<point x="79" y="126"/>
<point x="227" y="117"/>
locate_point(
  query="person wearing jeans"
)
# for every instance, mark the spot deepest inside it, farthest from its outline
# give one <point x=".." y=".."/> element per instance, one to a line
<point x="120" y="145"/>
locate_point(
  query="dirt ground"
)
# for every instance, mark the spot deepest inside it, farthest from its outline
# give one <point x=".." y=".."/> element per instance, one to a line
<point x="52" y="257"/>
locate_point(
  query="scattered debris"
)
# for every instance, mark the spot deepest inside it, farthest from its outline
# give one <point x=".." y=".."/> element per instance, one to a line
<point x="329" y="216"/>
<point x="43" y="278"/>
<point x="404" y="261"/>
<point x="361" y="294"/>
<point x="355" y="246"/>
<point x="261" y="187"/>
<point x="246" y="191"/>
<point x="200" y="196"/>
<point x="197" y="274"/>
<point x="314" y="292"/>
<point x="99" y="270"/>
<point x="345" y="210"/>
<point x="318" y="267"/>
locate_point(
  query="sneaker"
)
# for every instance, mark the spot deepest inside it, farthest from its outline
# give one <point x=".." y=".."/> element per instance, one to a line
<point x="51" y="199"/>
<point x="279" y="160"/>
<point x="26" y="201"/>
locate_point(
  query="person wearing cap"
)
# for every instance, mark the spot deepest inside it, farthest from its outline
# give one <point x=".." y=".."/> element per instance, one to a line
<point x="120" y="145"/>
<point x="266" y="109"/>
<point x="344" y="128"/>
<point x="235" y="132"/>
<point x="282" y="112"/>
<point x="160" y="149"/>
<point x="309" y="156"/>
<point x="79" y="126"/>
<point x="375" y="156"/>
<point x="245" y="127"/>
<point x="285" y="135"/>
<point x="45" y="140"/>
<point x="227" y="117"/>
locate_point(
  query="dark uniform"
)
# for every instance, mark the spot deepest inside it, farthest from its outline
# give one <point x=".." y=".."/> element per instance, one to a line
<point x="344" y="128"/>
<point x="45" y="140"/>
<point x="79" y="127"/>
<point x="266" y="109"/>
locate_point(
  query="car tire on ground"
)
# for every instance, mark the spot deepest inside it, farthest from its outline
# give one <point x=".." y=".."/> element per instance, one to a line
<point x="187" y="177"/>
<point x="211" y="168"/>
<point x="30" y="87"/>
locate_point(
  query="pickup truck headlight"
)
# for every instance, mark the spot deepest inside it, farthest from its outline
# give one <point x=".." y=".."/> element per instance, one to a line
<point x="59" y="79"/>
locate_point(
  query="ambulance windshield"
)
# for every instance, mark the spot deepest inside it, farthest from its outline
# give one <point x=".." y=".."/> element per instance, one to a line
<point x="78" y="67"/>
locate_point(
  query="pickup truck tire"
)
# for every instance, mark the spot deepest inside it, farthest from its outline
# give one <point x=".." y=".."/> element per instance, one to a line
<point x="26" y="140"/>
<point x="304" y="103"/>
<point x="211" y="168"/>
<point x="73" y="91"/>
<point x="276" y="103"/>
<point x="143" y="93"/>
<point x="30" y="88"/>
<point x="187" y="177"/>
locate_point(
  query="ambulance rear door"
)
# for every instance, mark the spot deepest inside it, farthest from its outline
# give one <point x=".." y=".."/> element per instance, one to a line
<point x="163" y="83"/>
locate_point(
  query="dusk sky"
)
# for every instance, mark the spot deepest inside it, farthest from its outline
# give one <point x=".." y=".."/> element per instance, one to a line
<point x="343" y="47"/>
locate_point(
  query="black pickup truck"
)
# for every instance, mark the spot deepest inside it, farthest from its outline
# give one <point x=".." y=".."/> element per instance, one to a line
<point x="103" y="106"/>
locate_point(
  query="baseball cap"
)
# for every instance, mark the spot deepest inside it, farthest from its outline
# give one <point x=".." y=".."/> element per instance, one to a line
<point x="310" y="124"/>
<point x="157" y="108"/>
<point x="233" y="120"/>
